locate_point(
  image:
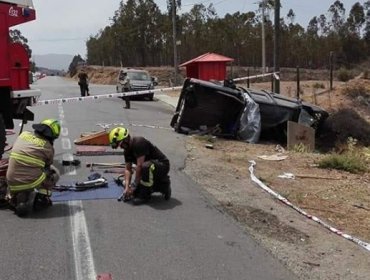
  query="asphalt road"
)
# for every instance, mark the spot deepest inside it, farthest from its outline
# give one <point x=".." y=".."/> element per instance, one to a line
<point x="184" y="238"/>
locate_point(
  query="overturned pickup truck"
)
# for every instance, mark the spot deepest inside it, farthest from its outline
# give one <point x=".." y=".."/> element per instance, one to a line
<point x="234" y="112"/>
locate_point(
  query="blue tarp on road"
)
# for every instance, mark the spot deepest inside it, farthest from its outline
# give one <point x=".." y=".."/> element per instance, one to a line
<point x="111" y="191"/>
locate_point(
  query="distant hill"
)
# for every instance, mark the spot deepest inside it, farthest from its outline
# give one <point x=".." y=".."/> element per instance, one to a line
<point x="53" y="61"/>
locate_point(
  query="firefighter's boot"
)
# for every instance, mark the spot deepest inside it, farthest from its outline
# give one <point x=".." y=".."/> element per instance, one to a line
<point x="42" y="201"/>
<point x="4" y="203"/>
<point x="24" y="203"/>
<point x="166" y="188"/>
<point x="141" y="194"/>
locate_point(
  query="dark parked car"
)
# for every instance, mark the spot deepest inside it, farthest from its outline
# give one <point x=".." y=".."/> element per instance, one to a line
<point x="135" y="80"/>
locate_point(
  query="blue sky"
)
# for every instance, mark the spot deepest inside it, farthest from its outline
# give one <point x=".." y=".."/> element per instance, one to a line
<point x="64" y="29"/>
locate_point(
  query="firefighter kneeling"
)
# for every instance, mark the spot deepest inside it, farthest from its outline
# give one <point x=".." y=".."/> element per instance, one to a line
<point x="31" y="175"/>
<point x="152" y="166"/>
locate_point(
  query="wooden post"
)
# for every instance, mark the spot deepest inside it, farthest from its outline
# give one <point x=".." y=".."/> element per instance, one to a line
<point x="277" y="45"/>
<point x="331" y="69"/>
<point x="248" y="81"/>
<point x="174" y="41"/>
<point x="298" y="83"/>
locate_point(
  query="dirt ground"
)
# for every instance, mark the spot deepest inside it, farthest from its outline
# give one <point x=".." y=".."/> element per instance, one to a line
<point x="338" y="198"/>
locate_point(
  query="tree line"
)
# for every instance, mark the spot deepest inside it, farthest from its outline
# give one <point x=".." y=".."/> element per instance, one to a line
<point x="141" y="35"/>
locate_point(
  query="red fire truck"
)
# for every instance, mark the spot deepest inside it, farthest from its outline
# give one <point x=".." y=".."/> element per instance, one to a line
<point x="15" y="91"/>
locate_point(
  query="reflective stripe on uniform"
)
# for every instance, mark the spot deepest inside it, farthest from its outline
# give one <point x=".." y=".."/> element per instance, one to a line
<point x="44" y="192"/>
<point x="24" y="187"/>
<point x="150" y="182"/>
<point x="27" y="159"/>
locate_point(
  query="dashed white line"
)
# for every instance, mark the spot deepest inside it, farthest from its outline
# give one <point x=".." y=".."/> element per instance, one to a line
<point x="83" y="257"/>
<point x="66" y="144"/>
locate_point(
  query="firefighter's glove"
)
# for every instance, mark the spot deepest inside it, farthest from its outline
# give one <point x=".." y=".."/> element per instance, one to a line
<point x="124" y="197"/>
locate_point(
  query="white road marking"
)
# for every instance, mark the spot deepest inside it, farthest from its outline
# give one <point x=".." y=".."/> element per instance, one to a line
<point x="66" y="143"/>
<point x="64" y="131"/>
<point x="82" y="253"/>
<point x="83" y="257"/>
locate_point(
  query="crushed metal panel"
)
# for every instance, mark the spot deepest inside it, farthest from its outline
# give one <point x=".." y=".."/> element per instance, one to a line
<point x="206" y="105"/>
<point x="275" y="109"/>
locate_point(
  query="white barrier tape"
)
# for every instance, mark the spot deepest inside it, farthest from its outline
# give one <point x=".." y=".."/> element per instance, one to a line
<point x="108" y="125"/>
<point x="363" y="244"/>
<point x="102" y="96"/>
<point x="132" y="93"/>
<point x="275" y="74"/>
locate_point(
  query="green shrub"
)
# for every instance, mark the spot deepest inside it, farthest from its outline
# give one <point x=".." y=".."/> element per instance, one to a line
<point x="352" y="160"/>
<point x="344" y="75"/>
<point x="300" y="148"/>
<point x="346" y="162"/>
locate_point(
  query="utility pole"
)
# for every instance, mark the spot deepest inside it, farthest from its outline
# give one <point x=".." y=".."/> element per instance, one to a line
<point x="331" y="69"/>
<point x="174" y="40"/>
<point x="263" y="7"/>
<point x="277" y="46"/>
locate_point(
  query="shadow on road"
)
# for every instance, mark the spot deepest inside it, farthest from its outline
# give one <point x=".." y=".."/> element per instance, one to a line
<point x="157" y="202"/>
<point x="57" y="210"/>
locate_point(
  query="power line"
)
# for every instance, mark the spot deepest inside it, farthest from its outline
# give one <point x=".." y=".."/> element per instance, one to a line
<point x="57" y="39"/>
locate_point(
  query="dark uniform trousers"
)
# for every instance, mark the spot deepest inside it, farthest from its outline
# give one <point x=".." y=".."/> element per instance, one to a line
<point x="154" y="178"/>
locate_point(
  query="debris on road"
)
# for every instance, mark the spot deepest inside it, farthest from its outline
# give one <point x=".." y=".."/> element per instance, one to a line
<point x="275" y="157"/>
<point x="91" y="150"/>
<point x="74" y="162"/>
<point x="82" y="186"/>
<point x="114" y="170"/>
<point x="293" y="176"/>
<point x="94" y="138"/>
<point x="287" y="176"/>
<point x="104" y="165"/>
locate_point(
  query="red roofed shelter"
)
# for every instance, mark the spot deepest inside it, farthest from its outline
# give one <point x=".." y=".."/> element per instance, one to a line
<point x="209" y="66"/>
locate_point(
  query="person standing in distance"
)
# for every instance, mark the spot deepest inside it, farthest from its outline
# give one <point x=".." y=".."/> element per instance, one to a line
<point x="83" y="82"/>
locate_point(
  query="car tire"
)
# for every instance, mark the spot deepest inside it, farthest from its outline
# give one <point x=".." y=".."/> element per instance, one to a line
<point x="151" y="97"/>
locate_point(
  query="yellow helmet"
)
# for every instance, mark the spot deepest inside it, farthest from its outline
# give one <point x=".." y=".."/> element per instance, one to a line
<point x="117" y="135"/>
<point x="54" y="128"/>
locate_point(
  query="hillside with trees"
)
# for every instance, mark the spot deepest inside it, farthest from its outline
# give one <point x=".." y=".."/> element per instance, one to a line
<point x="141" y="35"/>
